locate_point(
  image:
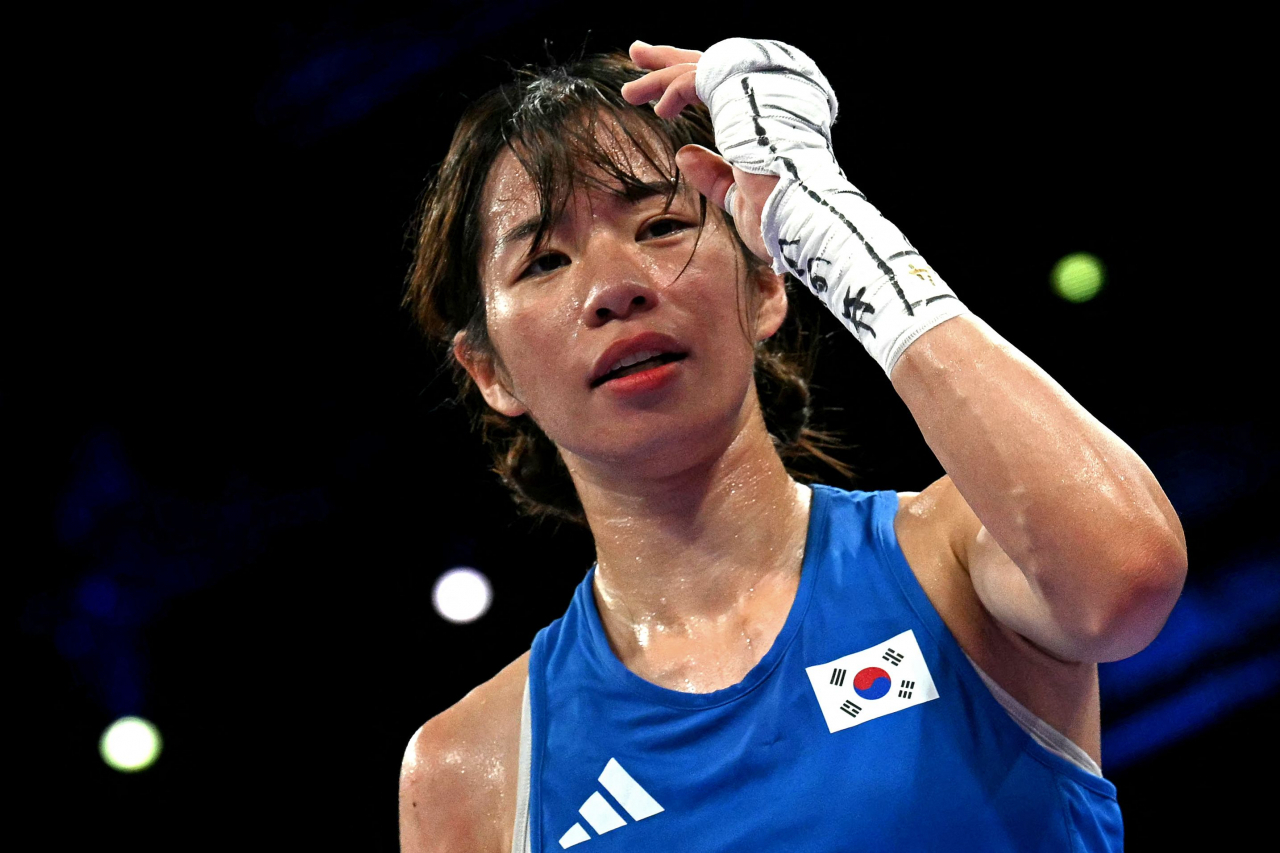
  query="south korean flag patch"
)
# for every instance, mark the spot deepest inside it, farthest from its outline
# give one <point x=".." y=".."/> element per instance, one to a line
<point x="871" y="683"/>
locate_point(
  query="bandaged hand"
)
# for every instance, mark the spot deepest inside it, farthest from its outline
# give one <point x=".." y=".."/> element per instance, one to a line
<point x="772" y="111"/>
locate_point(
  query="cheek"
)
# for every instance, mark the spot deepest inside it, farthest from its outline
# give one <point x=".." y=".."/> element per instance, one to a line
<point x="715" y="273"/>
<point x="524" y="332"/>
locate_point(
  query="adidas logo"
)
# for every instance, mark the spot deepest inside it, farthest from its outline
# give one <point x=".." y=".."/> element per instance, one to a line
<point x="601" y="815"/>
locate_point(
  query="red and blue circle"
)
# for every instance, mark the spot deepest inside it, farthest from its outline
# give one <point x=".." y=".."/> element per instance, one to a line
<point x="872" y="682"/>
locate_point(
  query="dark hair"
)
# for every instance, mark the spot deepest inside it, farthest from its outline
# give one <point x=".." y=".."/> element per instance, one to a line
<point x="549" y="119"/>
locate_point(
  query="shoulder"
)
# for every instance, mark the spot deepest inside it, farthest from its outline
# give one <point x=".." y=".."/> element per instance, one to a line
<point x="939" y="533"/>
<point x="935" y="526"/>
<point x="935" y="530"/>
<point x="459" y="774"/>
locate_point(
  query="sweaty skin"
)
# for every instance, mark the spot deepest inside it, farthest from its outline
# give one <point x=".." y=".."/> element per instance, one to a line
<point x="693" y="514"/>
<point x="699" y="529"/>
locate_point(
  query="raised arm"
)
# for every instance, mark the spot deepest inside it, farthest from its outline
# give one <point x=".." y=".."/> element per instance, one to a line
<point x="1079" y="549"/>
<point x="1067" y="537"/>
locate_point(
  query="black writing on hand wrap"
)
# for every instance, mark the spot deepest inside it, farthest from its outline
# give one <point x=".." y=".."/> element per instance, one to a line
<point x="762" y="138"/>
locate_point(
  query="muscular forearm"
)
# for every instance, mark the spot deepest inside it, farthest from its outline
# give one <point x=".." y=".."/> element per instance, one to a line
<point x="1069" y="502"/>
<point x="1088" y="552"/>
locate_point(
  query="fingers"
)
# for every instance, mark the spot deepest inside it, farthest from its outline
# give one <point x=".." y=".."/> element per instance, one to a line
<point x="651" y="86"/>
<point x="654" y="57"/>
<point x="707" y="171"/>
<point x="672" y="80"/>
<point x="682" y="92"/>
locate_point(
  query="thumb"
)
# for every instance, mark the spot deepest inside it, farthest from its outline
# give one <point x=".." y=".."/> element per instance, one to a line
<point x="707" y="171"/>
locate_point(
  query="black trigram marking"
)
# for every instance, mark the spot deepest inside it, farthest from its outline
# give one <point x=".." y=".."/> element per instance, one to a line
<point x="892" y="657"/>
<point x="837" y="677"/>
<point x="851" y="709"/>
<point x="905" y="689"/>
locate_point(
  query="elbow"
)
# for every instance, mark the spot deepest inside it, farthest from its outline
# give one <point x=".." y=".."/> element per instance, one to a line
<point x="1139" y="604"/>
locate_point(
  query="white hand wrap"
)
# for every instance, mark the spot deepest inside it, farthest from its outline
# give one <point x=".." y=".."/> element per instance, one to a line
<point x="772" y="110"/>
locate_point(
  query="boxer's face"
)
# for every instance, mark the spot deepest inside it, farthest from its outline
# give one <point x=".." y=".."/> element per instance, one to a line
<point x="611" y="268"/>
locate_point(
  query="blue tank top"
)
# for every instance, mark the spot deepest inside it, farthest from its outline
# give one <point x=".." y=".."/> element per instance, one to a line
<point x="864" y="728"/>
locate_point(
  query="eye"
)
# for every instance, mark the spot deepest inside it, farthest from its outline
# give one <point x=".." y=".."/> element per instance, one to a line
<point x="664" y="227"/>
<point x="544" y="264"/>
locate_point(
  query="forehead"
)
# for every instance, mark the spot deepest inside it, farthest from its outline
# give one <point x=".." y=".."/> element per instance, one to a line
<point x="511" y="195"/>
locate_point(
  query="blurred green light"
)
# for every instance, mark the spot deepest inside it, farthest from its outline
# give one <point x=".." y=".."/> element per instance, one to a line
<point x="130" y="744"/>
<point x="1078" y="277"/>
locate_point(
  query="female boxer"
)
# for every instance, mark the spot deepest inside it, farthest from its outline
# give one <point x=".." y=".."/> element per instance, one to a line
<point x="753" y="663"/>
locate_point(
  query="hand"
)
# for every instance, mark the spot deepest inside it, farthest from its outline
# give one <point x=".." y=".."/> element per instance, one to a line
<point x="671" y="82"/>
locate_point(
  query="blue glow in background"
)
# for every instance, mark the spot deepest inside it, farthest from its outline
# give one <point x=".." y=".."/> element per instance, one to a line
<point x="235" y="472"/>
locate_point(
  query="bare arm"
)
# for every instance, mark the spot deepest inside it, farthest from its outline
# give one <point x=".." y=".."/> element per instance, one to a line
<point x="1078" y="550"/>
<point x="436" y="809"/>
<point x="458" y="777"/>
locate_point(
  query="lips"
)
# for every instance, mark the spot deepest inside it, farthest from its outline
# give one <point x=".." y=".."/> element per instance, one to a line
<point x="651" y="342"/>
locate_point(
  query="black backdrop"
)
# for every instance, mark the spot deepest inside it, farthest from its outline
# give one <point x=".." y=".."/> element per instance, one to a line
<point x="232" y="475"/>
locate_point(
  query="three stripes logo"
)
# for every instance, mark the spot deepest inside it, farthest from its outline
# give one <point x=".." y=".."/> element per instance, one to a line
<point x="601" y="815"/>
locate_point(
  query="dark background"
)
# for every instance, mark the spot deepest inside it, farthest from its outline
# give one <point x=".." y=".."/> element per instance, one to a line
<point x="232" y="481"/>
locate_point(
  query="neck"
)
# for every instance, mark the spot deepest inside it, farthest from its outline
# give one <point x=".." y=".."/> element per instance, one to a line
<point x="698" y="558"/>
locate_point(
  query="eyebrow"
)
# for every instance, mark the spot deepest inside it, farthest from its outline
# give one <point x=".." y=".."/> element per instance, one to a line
<point x="520" y="233"/>
<point x="633" y="193"/>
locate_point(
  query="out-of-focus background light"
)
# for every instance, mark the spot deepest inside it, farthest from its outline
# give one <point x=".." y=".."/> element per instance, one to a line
<point x="256" y="513"/>
<point x="462" y="595"/>
<point x="1078" y="277"/>
<point x="130" y="744"/>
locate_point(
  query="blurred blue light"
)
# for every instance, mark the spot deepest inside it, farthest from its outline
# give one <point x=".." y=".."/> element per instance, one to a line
<point x="124" y="670"/>
<point x="1206" y="469"/>
<point x="343" y="81"/>
<point x="99" y="596"/>
<point x="1208" y="698"/>
<point x="102" y="480"/>
<point x="73" y="638"/>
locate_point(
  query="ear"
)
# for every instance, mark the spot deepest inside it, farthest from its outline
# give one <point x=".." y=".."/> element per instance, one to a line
<point x="492" y="381"/>
<point x="772" y="293"/>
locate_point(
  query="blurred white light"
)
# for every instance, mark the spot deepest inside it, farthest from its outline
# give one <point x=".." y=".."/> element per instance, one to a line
<point x="130" y="744"/>
<point x="462" y="595"/>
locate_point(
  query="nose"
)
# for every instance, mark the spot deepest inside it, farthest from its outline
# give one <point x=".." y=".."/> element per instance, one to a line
<point x="616" y="301"/>
<point x="620" y="291"/>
